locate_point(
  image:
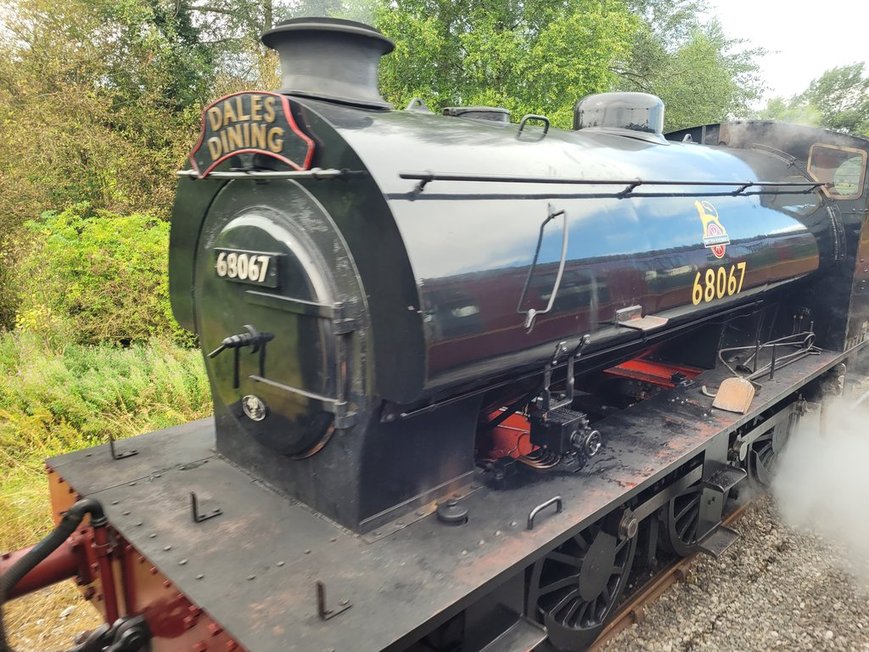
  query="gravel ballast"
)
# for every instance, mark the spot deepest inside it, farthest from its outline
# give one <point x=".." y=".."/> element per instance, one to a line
<point x="775" y="588"/>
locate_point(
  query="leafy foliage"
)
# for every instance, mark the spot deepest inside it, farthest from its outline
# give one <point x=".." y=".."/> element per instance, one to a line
<point x="97" y="97"/>
<point x="702" y="84"/>
<point x="529" y="57"/>
<point x="795" y="110"/>
<point x="838" y="100"/>
<point x="96" y="276"/>
<point x="701" y="75"/>
<point x="98" y="102"/>
<point x="55" y="401"/>
<point x="841" y="96"/>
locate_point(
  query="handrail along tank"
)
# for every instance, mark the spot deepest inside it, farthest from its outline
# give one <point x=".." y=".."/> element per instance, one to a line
<point x="364" y="264"/>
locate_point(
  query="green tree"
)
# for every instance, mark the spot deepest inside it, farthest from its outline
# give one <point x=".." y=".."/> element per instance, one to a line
<point x="841" y="96"/>
<point x="704" y="82"/>
<point x="665" y="25"/>
<point x="795" y="110"/>
<point x="231" y="31"/>
<point x="99" y="101"/>
<point x="96" y="276"/>
<point x="838" y="100"/>
<point x="529" y="57"/>
<point x="96" y="98"/>
<point x="701" y="75"/>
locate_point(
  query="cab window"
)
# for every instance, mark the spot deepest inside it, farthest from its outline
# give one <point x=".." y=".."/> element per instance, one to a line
<point x="842" y="168"/>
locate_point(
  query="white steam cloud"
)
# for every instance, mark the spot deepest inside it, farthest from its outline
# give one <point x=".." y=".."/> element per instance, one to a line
<point x="822" y="480"/>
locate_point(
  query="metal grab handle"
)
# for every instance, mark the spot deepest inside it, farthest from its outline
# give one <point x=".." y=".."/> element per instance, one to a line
<point x="534" y="512"/>
<point x="532" y="116"/>
<point x="531" y="313"/>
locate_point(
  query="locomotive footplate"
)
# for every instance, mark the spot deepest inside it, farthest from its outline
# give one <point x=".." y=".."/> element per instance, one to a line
<point x="255" y="568"/>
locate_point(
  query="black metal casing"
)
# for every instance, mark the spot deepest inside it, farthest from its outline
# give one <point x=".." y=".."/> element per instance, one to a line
<point x="396" y="293"/>
<point x="842" y="295"/>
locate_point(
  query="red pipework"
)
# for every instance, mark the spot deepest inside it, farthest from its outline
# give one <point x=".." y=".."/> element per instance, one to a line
<point x="663" y="374"/>
<point x="62" y="564"/>
<point x="511" y="438"/>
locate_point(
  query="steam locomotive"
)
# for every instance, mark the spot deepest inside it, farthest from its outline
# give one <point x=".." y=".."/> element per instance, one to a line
<point x="461" y="367"/>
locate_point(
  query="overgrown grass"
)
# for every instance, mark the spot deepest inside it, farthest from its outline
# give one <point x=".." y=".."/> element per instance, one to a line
<point x="54" y="401"/>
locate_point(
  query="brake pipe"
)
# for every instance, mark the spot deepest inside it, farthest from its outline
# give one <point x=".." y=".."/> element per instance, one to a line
<point x="31" y="558"/>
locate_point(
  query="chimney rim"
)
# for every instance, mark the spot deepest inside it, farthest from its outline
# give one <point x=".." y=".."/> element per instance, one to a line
<point x="352" y="28"/>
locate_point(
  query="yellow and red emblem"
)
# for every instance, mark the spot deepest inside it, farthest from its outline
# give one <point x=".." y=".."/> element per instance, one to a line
<point x="715" y="236"/>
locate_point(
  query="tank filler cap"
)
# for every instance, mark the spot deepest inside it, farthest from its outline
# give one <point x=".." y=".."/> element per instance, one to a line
<point x="637" y="112"/>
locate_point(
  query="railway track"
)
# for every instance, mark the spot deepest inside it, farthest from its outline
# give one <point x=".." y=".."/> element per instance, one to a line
<point x="633" y="610"/>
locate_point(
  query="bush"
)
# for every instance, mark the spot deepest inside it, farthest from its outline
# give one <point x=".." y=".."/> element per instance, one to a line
<point x="52" y="402"/>
<point x="8" y="296"/>
<point x="96" y="276"/>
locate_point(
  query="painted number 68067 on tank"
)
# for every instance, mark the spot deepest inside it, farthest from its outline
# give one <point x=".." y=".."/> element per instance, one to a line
<point x="718" y="283"/>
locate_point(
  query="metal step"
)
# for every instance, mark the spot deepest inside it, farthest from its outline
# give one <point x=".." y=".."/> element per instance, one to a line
<point x="718" y="541"/>
<point x="522" y="636"/>
<point x="722" y="477"/>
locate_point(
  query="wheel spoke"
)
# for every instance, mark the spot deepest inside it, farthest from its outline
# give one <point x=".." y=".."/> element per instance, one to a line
<point x="571" y="611"/>
<point x="581" y="542"/>
<point x="686" y="527"/>
<point x="571" y="595"/>
<point x="564" y="558"/>
<point x="559" y="584"/>
<point x="691" y="534"/>
<point x="599" y="609"/>
<point x="583" y="612"/>
<point x="605" y="594"/>
<point x="558" y="599"/>
<point x="691" y="504"/>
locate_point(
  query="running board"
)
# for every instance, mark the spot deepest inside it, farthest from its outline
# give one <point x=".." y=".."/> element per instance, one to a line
<point x="522" y="636"/>
<point x="722" y="477"/>
<point x="718" y="541"/>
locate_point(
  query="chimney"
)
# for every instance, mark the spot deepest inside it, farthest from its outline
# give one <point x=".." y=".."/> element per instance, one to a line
<point x="330" y="59"/>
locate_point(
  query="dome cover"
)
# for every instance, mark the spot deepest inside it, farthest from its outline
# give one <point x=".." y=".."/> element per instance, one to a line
<point x="635" y="111"/>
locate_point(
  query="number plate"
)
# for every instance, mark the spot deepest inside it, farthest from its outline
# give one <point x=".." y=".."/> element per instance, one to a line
<point x="254" y="267"/>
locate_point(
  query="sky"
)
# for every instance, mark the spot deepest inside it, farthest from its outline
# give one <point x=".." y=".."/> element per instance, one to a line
<point x="803" y="39"/>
